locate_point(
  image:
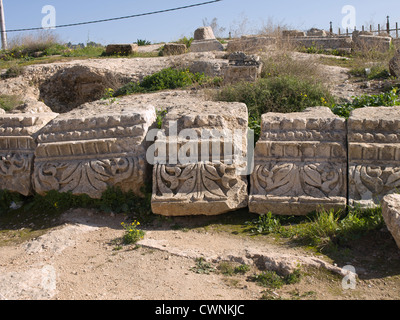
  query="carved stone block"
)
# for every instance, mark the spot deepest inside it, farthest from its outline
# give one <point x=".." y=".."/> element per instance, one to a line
<point x="94" y="147"/>
<point x="200" y="154"/>
<point x="17" y="147"/>
<point x="300" y="163"/>
<point x="374" y="154"/>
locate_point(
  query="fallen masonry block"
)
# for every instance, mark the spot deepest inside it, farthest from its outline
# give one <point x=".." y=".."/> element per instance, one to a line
<point x="95" y="147"/>
<point x="172" y="49"/>
<point x="300" y="163"/>
<point x="242" y="67"/>
<point x="391" y="215"/>
<point x="121" y="49"/>
<point x="206" y="45"/>
<point x="200" y="160"/>
<point x="374" y="154"/>
<point x="17" y="147"/>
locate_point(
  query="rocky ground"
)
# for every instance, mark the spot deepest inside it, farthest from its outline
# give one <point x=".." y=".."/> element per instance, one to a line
<point x="81" y="257"/>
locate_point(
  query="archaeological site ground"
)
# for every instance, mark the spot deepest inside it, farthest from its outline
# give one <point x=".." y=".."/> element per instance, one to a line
<point x="260" y="167"/>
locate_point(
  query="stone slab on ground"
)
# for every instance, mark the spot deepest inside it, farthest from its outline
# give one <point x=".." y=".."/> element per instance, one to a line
<point x="199" y="175"/>
<point x="94" y="147"/>
<point x="17" y="146"/>
<point x="121" y="49"/>
<point x="391" y="215"/>
<point x="300" y="163"/>
<point x="374" y="154"/>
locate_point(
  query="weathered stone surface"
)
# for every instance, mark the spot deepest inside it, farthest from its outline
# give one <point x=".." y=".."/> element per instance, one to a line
<point x="300" y="163"/>
<point x="374" y="154"/>
<point x="314" y="32"/>
<point x="17" y="147"/>
<point x="94" y="147"/>
<point x="75" y="85"/>
<point x="206" y="45"/>
<point x="394" y="65"/>
<point x="391" y="215"/>
<point x="201" y="175"/>
<point x="172" y="49"/>
<point x="250" y="44"/>
<point x="293" y="33"/>
<point x="367" y="42"/>
<point x="121" y="49"/>
<point x="338" y="43"/>
<point x="204" y="33"/>
<point x="242" y="67"/>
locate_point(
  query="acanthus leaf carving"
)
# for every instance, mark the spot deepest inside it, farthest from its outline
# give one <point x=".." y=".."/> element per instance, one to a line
<point x="199" y="181"/>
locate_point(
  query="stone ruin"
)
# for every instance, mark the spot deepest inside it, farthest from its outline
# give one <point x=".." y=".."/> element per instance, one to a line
<point x="302" y="160"/>
<point x="204" y="41"/>
<point x="300" y="163"/>
<point x="242" y="67"/>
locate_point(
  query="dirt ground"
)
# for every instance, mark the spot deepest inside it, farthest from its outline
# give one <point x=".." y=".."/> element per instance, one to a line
<point x="82" y="259"/>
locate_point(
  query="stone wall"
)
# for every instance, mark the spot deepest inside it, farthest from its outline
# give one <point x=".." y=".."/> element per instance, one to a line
<point x="200" y="161"/>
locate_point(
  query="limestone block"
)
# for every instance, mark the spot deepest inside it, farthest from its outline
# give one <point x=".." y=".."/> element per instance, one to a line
<point x="365" y="41"/>
<point x="94" y="147"/>
<point x="374" y="154"/>
<point x="300" y="163"/>
<point x="314" y="32"/>
<point x="17" y="147"/>
<point x="172" y="49"/>
<point x="391" y="215"/>
<point x="204" y="33"/>
<point x="206" y="45"/>
<point x="242" y="67"/>
<point x="293" y="33"/>
<point x="199" y="170"/>
<point x="121" y="49"/>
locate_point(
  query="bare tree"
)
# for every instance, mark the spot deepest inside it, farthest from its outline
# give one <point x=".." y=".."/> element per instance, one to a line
<point x="217" y="29"/>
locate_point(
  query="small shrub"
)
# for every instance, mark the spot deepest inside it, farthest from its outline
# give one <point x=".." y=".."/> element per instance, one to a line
<point x="9" y="102"/>
<point x="242" y="269"/>
<point x="186" y="41"/>
<point x="14" y="71"/>
<point x="276" y="94"/>
<point x="386" y="99"/>
<point x="141" y="42"/>
<point x="132" y="233"/>
<point x="202" y="267"/>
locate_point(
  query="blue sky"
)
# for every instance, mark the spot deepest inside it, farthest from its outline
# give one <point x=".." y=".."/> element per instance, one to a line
<point x="249" y="15"/>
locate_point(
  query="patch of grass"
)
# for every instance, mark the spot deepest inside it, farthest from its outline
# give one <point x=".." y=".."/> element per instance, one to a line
<point x="15" y="70"/>
<point x="277" y="94"/>
<point x="9" y="102"/>
<point x="88" y="51"/>
<point x="203" y="267"/>
<point x="273" y="280"/>
<point x="323" y="230"/>
<point x="165" y="79"/>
